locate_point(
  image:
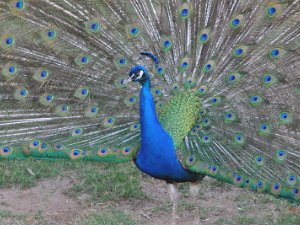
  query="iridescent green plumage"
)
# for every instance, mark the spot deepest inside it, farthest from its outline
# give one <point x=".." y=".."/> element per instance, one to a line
<point x="179" y="115"/>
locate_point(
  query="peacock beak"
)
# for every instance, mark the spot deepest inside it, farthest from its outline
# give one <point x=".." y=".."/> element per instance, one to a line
<point x="129" y="79"/>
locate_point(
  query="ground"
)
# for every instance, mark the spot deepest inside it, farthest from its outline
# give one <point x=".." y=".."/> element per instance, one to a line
<point x="66" y="193"/>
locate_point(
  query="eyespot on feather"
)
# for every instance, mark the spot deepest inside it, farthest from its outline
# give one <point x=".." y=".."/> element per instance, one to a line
<point x="93" y="26"/>
<point x="120" y="61"/>
<point x="21" y="94"/>
<point x="209" y="66"/>
<point x="59" y="147"/>
<point x="82" y="93"/>
<point x="237" y="21"/>
<point x="238" y="180"/>
<point x="130" y="100"/>
<point x="62" y="110"/>
<point x="276" y="188"/>
<point x="49" y="35"/>
<point x="75" y="154"/>
<point x="41" y="74"/>
<point x="204" y="36"/>
<point x="260" y="160"/>
<point x="184" y="64"/>
<point x="135" y="127"/>
<point x="202" y="90"/>
<point x="92" y="111"/>
<point x="276" y="53"/>
<point x="82" y="60"/>
<point x="184" y="11"/>
<point x="285" y="117"/>
<point x="240" y="51"/>
<point x="273" y="11"/>
<point x="43" y="147"/>
<point x="102" y="152"/>
<point x="239" y="139"/>
<point x="133" y="30"/>
<point x="264" y="129"/>
<point x="77" y="132"/>
<point x="5" y="151"/>
<point x="190" y="161"/>
<point x="269" y="79"/>
<point x="292" y="179"/>
<point x="46" y="99"/>
<point x="10" y="71"/>
<point x="35" y="144"/>
<point x="120" y="83"/>
<point x="230" y="117"/>
<point x="255" y="100"/>
<point x="233" y="78"/>
<point x="108" y="122"/>
<point x="7" y="41"/>
<point x="166" y="44"/>
<point x="17" y="7"/>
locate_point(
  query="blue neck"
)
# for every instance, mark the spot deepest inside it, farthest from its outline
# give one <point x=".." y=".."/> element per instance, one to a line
<point x="157" y="156"/>
<point x="148" y="117"/>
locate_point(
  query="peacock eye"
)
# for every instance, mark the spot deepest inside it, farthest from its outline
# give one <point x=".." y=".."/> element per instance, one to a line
<point x="135" y="75"/>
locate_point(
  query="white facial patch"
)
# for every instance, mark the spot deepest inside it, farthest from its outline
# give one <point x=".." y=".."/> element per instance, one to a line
<point x="140" y="74"/>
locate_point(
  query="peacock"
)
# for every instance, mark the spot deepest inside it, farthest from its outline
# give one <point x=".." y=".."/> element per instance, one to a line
<point x="184" y="88"/>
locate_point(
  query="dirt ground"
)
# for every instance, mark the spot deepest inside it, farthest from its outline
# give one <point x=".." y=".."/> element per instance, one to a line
<point x="49" y="203"/>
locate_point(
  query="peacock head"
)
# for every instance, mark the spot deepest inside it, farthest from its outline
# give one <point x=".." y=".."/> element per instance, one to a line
<point x="139" y="74"/>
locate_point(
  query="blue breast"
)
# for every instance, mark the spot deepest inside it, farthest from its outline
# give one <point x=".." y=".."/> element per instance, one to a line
<point x="157" y="156"/>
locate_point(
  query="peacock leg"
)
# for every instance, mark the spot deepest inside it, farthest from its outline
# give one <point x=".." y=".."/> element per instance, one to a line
<point x="173" y="193"/>
<point x="194" y="191"/>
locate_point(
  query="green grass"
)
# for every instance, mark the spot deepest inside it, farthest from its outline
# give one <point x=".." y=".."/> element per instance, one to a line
<point x="108" y="217"/>
<point x="113" y="183"/>
<point x="16" y="173"/>
<point x="4" y="214"/>
<point x="7" y="217"/>
<point x="162" y="208"/>
<point x="109" y="183"/>
<point x="261" y="209"/>
<point x="102" y="181"/>
<point x="286" y="219"/>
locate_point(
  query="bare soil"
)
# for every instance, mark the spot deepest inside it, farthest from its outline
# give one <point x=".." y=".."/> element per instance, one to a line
<point x="48" y="203"/>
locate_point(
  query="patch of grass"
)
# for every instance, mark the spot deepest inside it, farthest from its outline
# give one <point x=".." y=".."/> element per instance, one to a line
<point x="185" y="205"/>
<point x="262" y="209"/>
<point x="7" y="217"/>
<point x="286" y="219"/>
<point x="103" y="181"/>
<point x="162" y="208"/>
<point x="16" y="173"/>
<point x="247" y="198"/>
<point x="219" y="184"/>
<point x="110" y="217"/>
<point x="109" y="182"/>
<point x="184" y="188"/>
<point x="4" y="214"/>
<point x="245" y="220"/>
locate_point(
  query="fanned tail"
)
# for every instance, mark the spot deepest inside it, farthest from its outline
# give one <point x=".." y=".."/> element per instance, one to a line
<point x="62" y="84"/>
<point x="249" y="133"/>
<point x="63" y="65"/>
